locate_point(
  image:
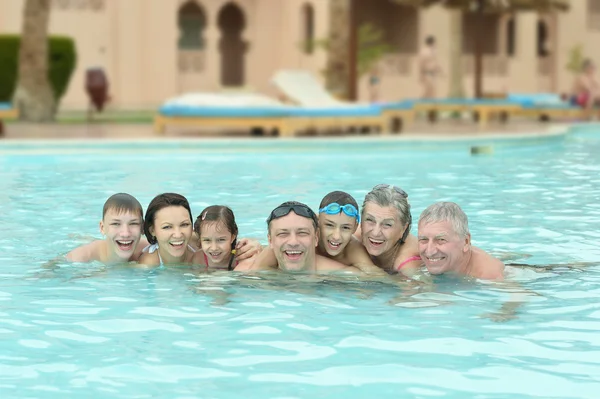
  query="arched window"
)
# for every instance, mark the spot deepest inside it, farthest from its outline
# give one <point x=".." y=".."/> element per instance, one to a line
<point x="191" y="21"/>
<point x="308" y="28"/>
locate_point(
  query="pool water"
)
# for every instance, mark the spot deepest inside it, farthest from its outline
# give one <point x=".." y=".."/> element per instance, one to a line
<point x="114" y="332"/>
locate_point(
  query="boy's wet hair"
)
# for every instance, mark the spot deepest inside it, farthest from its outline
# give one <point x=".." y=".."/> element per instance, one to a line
<point x="340" y="197"/>
<point x="159" y="202"/>
<point x="218" y="214"/>
<point x="122" y="202"/>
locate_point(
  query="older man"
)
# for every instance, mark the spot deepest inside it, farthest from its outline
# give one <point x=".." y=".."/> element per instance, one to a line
<point x="445" y="244"/>
<point x="293" y="237"/>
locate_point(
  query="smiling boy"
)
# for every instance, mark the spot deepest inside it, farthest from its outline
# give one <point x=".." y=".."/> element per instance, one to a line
<point x="121" y="225"/>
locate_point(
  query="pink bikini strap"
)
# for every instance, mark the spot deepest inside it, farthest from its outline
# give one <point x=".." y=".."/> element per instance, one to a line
<point x="412" y="258"/>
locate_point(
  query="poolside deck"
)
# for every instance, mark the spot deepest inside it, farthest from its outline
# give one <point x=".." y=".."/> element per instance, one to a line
<point x="420" y="129"/>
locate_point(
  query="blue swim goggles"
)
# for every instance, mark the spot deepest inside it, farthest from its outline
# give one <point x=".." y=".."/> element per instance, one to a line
<point x="334" y="208"/>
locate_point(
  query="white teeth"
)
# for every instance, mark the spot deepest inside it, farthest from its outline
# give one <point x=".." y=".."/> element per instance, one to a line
<point x="293" y="252"/>
<point x="434" y="259"/>
<point x="335" y="244"/>
<point x="376" y="241"/>
<point x="124" y="242"/>
<point x="176" y="242"/>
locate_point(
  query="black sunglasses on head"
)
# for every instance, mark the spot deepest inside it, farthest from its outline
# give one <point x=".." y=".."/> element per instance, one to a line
<point x="299" y="209"/>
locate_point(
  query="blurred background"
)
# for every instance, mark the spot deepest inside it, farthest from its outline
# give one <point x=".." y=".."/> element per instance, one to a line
<point x="125" y="58"/>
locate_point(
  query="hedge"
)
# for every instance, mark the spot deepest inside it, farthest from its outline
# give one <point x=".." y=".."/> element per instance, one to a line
<point x="62" y="59"/>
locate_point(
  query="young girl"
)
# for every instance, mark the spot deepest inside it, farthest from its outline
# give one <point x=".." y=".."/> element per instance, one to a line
<point x="217" y="232"/>
<point x="168" y="228"/>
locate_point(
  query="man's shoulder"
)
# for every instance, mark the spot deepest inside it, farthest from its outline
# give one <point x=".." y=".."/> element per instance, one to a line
<point x="486" y="265"/>
<point x="87" y="252"/>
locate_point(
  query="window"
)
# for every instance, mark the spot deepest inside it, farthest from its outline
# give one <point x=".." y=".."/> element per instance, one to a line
<point x="191" y="23"/>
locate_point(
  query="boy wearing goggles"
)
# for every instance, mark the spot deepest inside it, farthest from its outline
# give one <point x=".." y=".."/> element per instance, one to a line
<point x="338" y="220"/>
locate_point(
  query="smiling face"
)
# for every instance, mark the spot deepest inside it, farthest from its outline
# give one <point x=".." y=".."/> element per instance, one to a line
<point x="215" y="241"/>
<point x="441" y="248"/>
<point x="293" y="239"/>
<point x="172" y="228"/>
<point x="381" y="228"/>
<point x="335" y="232"/>
<point x="123" y="230"/>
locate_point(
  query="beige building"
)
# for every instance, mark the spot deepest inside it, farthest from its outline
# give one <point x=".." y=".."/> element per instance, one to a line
<point x="155" y="49"/>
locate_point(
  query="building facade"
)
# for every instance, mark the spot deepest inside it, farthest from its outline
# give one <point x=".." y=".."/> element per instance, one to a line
<point x="155" y="49"/>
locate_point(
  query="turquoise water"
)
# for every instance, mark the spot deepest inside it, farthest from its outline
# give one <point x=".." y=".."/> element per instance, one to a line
<point x="111" y="332"/>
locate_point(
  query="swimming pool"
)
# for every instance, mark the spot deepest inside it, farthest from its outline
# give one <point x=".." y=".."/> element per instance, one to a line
<point x="92" y="331"/>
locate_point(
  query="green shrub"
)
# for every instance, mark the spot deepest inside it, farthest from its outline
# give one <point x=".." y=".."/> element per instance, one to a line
<point x="576" y="57"/>
<point x="62" y="59"/>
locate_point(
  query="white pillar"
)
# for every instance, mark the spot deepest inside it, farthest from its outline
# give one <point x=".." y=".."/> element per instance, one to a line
<point x="525" y="65"/>
<point x="212" y="36"/>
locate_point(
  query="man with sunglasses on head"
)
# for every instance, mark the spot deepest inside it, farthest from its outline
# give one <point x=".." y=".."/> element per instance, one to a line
<point x="293" y="238"/>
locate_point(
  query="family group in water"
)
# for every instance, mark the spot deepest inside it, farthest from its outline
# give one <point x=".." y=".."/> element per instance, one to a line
<point x="340" y="238"/>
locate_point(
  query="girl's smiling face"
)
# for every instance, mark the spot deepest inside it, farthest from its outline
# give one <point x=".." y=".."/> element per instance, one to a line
<point x="216" y="241"/>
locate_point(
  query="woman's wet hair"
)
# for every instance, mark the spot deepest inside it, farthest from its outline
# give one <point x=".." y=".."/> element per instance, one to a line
<point x="218" y="214"/>
<point x="386" y="195"/>
<point x="446" y="212"/>
<point x="159" y="202"/>
<point x="339" y="197"/>
<point x="121" y="203"/>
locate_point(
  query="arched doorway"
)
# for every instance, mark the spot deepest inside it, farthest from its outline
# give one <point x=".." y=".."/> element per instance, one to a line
<point x="231" y="46"/>
<point x="191" y="21"/>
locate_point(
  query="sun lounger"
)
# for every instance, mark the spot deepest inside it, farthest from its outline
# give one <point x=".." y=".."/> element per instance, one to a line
<point x="483" y="109"/>
<point x="249" y="110"/>
<point x="546" y="106"/>
<point x="223" y="110"/>
<point x="319" y="109"/>
<point x="398" y="115"/>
